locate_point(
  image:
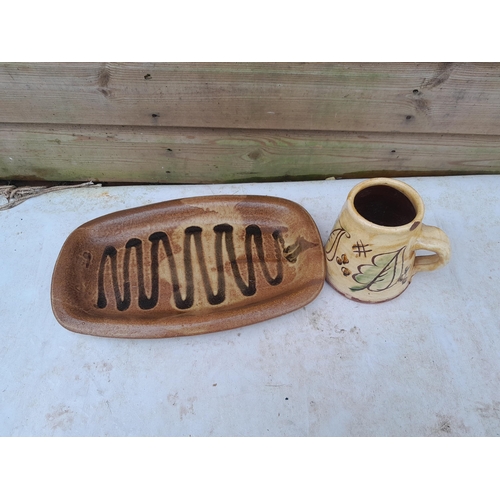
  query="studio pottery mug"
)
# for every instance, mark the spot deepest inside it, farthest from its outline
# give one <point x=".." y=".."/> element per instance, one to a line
<point x="370" y="254"/>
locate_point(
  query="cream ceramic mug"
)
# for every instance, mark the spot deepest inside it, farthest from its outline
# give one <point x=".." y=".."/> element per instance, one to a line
<point x="370" y="253"/>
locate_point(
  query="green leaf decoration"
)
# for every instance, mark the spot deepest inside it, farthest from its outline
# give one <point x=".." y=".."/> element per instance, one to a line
<point x="384" y="271"/>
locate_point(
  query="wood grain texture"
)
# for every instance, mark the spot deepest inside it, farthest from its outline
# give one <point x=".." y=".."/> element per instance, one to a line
<point x="186" y="155"/>
<point x="451" y="98"/>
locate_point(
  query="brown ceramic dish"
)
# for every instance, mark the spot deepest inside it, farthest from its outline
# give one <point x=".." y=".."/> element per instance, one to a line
<point x="187" y="267"/>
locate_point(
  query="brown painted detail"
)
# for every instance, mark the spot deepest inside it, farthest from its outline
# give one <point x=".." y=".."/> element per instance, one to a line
<point x="189" y="266"/>
<point x="342" y="259"/>
<point x="345" y="271"/>
<point x="332" y="245"/>
<point x="414" y="225"/>
<point x="87" y="257"/>
<point x="361" y="249"/>
<point x="160" y="240"/>
<point x="292" y="252"/>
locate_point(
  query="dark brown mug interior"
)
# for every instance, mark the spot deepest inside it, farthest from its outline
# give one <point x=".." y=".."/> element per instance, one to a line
<point x="384" y="206"/>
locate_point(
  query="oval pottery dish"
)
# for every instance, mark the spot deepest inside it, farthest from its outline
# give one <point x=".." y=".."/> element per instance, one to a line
<point x="187" y="267"/>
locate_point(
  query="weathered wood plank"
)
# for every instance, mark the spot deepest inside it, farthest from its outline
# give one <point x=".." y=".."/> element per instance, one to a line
<point x="185" y="155"/>
<point x="460" y="98"/>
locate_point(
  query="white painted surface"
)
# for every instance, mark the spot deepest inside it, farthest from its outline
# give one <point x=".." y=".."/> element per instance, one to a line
<point x="424" y="364"/>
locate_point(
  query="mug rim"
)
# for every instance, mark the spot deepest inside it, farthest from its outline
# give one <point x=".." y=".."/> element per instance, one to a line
<point x="400" y="186"/>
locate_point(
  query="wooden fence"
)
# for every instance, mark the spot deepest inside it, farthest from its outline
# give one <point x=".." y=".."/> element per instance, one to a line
<point x="234" y="122"/>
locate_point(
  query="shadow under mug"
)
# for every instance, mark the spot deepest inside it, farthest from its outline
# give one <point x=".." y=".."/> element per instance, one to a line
<point x="370" y="253"/>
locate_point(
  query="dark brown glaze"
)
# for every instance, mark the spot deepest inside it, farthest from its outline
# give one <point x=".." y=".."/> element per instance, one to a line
<point x="384" y="206"/>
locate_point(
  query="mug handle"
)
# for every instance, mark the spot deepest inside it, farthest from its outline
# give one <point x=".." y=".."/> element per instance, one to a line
<point x="435" y="240"/>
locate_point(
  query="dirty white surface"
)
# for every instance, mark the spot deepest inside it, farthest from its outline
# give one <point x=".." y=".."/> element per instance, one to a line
<point x="424" y="364"/>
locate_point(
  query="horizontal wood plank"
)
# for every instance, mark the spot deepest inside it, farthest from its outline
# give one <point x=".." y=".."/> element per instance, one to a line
<point x="186" y="155"/>
<point x="453" y="98"/>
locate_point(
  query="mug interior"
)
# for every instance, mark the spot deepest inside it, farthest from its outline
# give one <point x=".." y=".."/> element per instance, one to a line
<point x="385" y="206"/>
